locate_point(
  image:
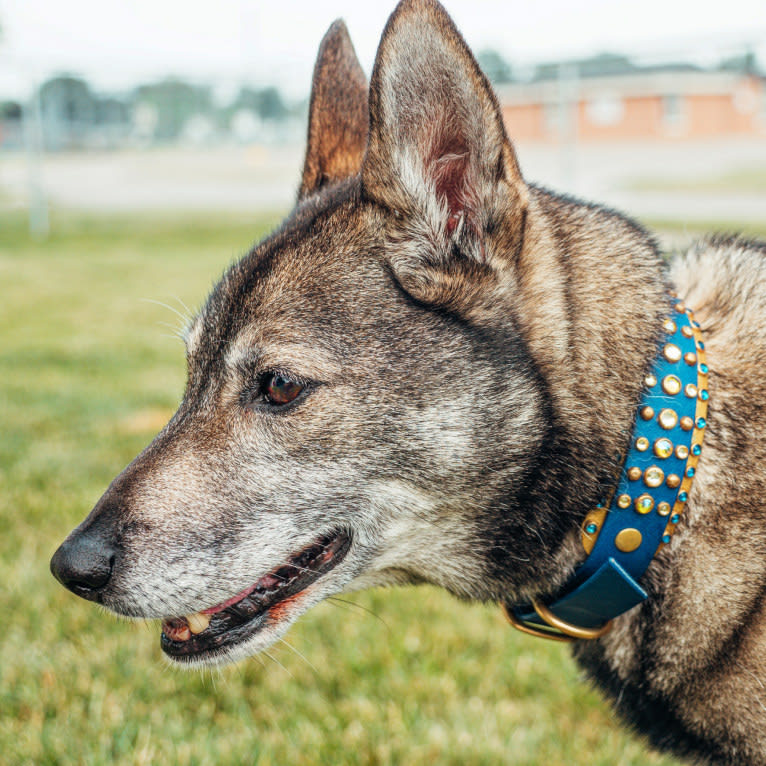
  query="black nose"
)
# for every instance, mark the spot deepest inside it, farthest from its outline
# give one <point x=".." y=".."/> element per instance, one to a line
<point x="83" y="563"/>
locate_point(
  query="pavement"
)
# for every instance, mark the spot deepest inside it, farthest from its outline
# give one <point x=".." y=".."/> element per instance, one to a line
<point x="236" y="178"/>
<point x="607" y="173"/>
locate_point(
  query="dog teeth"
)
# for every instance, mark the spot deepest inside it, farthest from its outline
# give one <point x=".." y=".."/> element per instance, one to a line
<point x="198" y="622"/>
<point x="176" y="629"/>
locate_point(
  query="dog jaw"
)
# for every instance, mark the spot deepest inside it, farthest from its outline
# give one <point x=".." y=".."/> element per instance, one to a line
<point x="265" y="610"/>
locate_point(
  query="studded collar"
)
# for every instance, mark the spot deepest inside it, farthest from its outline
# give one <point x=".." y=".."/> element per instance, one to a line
<point x="625" y="531"/>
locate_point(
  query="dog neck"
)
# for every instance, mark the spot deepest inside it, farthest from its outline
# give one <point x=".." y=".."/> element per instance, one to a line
<point x="622" y="535"/>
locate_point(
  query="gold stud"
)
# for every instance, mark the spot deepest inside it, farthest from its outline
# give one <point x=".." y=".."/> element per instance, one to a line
<point x="680" y="308"/>
<point x="671" y="352"/>
<point x="642" y="444"/>
<point x="690" y="390"/>
<point x="634" y="473"/>
<point x="647" y="413"/>
<point x="653" y="476"/>
<point x="628" y="540"/>
<point x="687" y="331"/>
<point x="687" y="423"/>
<point x="663" y="509"/>
<point x="671" y="385"/>
<point x="672" y="480"/>
<point x="650" y="380"/>
<point x="669" y="326"/>
<point x="668" y="419"/>
<point x="623" y="501"/>
<point x="682" y="452"/>
<point x="644" y="503"/>
<point x="663" y="448"/>
<point x="690" y="358"/>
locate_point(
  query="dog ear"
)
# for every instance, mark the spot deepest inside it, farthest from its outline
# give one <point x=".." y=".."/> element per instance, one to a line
<point x="438" y="155"/>
<point x="338" y="113"/>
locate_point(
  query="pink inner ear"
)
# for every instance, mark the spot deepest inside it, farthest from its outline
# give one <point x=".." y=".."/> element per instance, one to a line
<point x="450" y="168"/>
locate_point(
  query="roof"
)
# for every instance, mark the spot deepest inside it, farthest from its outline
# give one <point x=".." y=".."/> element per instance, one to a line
<point x="642" y="83"/>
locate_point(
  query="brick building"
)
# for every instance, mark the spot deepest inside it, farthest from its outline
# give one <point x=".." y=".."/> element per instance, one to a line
<point x="685" y="103"/>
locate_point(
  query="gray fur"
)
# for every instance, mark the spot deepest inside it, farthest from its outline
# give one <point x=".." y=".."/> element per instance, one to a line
<point x="473" y="349"/>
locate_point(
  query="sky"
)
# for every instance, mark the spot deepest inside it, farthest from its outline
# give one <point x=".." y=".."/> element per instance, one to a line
<point x="117" y="43"/>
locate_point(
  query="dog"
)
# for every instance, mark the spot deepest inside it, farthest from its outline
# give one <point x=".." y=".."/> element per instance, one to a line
<point x="430" y="374"/>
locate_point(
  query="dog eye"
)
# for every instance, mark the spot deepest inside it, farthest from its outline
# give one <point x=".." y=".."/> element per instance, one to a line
<point x="278" y="389"/>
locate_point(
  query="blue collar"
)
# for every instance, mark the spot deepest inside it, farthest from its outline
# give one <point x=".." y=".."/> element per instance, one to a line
<point x="624" y="532"/>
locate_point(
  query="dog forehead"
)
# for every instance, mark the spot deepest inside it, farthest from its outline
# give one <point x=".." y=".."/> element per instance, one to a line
<point x="327" y="272"/>
<point x="311" y="276"/>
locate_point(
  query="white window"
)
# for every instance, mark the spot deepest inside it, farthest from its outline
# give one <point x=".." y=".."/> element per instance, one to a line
<point x="605" y="110"/>
<point x="673" y="111"/>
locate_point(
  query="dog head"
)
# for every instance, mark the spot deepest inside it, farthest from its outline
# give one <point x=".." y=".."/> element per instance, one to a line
<point x="368" y="397"/>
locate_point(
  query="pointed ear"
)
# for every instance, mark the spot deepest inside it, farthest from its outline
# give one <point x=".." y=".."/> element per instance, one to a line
<point x="338" y="113"/>
<point x="438" y="155"/>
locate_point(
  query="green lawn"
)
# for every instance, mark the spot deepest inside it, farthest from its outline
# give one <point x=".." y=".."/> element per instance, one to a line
<point x="88" y="372"/>
<point x="740" y="181"/>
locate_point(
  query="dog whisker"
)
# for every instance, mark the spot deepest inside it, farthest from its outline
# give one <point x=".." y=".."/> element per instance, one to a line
<point x="189" y="314"/>
<point x="351" y="606"/>
<point x="277" y="662"/>
<point x="185" y="318"/>
<point x="294" y="650"/>
<point x="177" y="331"/>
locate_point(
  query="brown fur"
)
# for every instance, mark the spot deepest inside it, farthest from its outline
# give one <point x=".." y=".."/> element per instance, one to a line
<point x="337" y="134"/>
<point x="472" y="349"/>
<point x="689" y="665"/>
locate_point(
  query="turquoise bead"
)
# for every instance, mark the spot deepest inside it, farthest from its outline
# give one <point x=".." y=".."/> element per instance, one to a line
<point x="666" y="539"/>
<point x="591" y="529"/>
<point x="675" y="519"/>
<point x="697" y="449"/>
<point x="704" y="395"/>
<point x="690" y="472"/>
<point x="701" y="423"/>
<point x="683" y="497"/>
<point x="703" y="369"/>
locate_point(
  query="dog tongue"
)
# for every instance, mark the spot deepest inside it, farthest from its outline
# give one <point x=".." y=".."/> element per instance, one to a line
<point x="267" y="582"/>
<point x="183" y="628"/>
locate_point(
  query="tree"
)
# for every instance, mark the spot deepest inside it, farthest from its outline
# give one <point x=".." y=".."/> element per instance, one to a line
<point x="497" y="69"/>
<point x="66" y="98"/>
<point x="68" y="110"/>
<point x="267" y="103"/>
<point x="175" y="102"/>
<point x="600" y="65"/>
<point x="10" y="110"/>
<point x="745" y="63"/>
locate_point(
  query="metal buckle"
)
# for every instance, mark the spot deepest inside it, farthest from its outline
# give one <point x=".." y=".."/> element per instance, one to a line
<point x="558" y="629"/>
<point x="535" y="630"/>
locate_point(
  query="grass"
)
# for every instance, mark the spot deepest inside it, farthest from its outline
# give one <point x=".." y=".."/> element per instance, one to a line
<point x="87" y="375"/>
<point x="684" y="232"/>
<point x="741" y="181"/>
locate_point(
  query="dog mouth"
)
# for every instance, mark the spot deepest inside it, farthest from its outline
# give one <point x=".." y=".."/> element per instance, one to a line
<point x="262" y="604"/>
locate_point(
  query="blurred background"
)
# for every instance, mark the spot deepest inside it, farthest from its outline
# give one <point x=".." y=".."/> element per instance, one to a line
<point x="659" y="110"/>
<point x="143" y="146"/>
